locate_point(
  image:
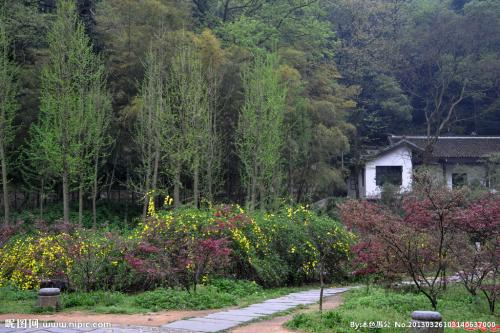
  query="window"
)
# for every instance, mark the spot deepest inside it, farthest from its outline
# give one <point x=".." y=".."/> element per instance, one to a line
<point x="389" y="175"/>
<point x="458" y="179"/>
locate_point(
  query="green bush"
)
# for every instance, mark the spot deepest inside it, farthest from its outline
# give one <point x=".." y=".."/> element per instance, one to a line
<point x="180" y="248"/>
<point x="91" y="299"/>
<point x="98" y="262"/>
<point x="10" y="293"/>
<point x="108" y="215"/>
<point x="238" y="288"/>
<point x="216" y="294"/>
<point x="206" y="297"/>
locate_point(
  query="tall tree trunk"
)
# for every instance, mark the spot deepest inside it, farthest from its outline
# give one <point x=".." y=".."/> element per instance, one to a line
<point x="155" y="169"/>
<point x="4" y="184"/>
<point x="210" y="193"/>
<point x="42" y="189"/>
<point x="322" y="287"/>
<point x="80" y="204"/>
<point x="65" y="195"/>
<point x="145" y="205"/>
<point x="177" y="185"/>
<point x="147" y="188"/>
<point x="94" y="194"/>
<point x="196" y="190"/>
<point x="253" y="188"/>
<point x="112" y="178"/>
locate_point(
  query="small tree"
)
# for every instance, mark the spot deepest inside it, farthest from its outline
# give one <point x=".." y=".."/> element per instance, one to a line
<point x="476" y="256"/>
<point x="419" y="238"/>
<point x="331" y="243"/>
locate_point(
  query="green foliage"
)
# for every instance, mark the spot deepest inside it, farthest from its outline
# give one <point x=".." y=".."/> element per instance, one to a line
<point x="377" y="304"/>
<point x="70" y="134"/>
<point x="9" y="88"/>
<point x="109" y="215"/>
<point x="240" y="288"/>
<point x="92" y="299"/>
<point x="355" y="70"/>
<point x="260" y="131"/>
<point x="9" y="106"/>
<point x="98" y="262"/>
<point x="167" y="299"/>
<point x="126" y="29"/>
<point x="217" y="293"/>
<point x="272" y="271"/>
<point x="16" y="301"/>
<point x="10" y="293"/>
<point x="183" y="248"/>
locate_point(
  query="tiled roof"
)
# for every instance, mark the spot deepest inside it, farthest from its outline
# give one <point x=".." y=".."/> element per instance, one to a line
<point x="455" y="146"/>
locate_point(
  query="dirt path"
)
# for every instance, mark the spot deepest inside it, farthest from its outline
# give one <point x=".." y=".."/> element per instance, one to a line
<point x="275" y="325"/>
<point x="148" y="319"/>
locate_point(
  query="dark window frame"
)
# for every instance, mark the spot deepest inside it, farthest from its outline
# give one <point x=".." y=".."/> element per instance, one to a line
<point x="389" y="174"/>
<point x="459" y="179"/>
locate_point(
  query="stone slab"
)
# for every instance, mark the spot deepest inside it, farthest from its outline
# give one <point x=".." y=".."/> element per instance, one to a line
<point x="426" y="316"/>
<point x="263" y="311"/>
<point x="285" y="302"/>
<point x="174" y="330"/>
<point x="49" y="291"/>
<point x="59" y="329"/>
<point x="230" y="317"/>
<point x="215" y="321"/>
<point x="237" y="320"/>
<point x="243" y="312"/>
<point x="273" y="306"/>
<point x="199" y="326"/>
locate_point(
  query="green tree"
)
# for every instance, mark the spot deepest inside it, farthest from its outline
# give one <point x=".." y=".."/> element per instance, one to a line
<point x="126" y="28"/>
<point x="154" y="122"/>
<point x="260" y="132"/>
<point x="8" y="108"/>
<point x="100" y="118"/>
<point x="62" y="137"/>
<point x="190" y="100"/>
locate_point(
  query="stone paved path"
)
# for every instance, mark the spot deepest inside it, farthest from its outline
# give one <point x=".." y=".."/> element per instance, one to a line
<point x="215" y="322"/>
<point x="224" y="320"/>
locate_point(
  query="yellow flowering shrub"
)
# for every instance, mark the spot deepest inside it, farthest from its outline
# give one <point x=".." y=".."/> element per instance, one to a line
<point x="24" y="262"/>
<point x="276" y="248"/>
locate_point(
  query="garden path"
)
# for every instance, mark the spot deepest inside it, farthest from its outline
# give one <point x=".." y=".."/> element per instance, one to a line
<point x="226" y="320"/>
<point x="275" y="324"/>
<point x="213" y="322"/>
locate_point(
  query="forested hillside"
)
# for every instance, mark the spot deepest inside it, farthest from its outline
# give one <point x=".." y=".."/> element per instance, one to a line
<point x="248" y="101"/>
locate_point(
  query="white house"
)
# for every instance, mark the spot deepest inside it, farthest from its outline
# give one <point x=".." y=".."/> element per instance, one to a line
<point x="458" y="159"/>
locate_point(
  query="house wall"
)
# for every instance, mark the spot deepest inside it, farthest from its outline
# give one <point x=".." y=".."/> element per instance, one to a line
<point x="476" y="173"/>
<point x="398" y="157"/>
<point x="361" y="184"/>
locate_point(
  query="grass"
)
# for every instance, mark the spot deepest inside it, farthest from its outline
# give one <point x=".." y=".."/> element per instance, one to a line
<point x="218" y="294"/>
<point x="377" y="304"/>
